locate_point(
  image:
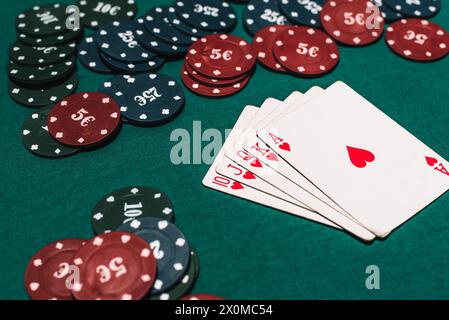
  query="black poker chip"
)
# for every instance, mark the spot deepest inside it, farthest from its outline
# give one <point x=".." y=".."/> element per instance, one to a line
<point x="55" y="40"/>
<point x="89" y="56"/>
<point x="161" y="47"/>
<point x="95" y="13"/>
<point x="146" y="99"/>
<point x="170" y="248"/>
<point x="127" y="204"/>
<point x="186" y="284"/>
<point x="185" y="28"/>
<point x="45" y="95"/>
<point x="43" y="21"/>
<point x="210" y="15"/>
<point x="40" y="56"/>
<point x="37" y="140"/>
<point x="29" y="75"/>
<point x="156" y="22"/>
<point x="118" y="40"/>
<point x="122" y="67"/>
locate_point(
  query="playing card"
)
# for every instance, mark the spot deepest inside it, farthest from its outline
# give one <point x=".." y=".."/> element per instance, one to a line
<point x="221" y="183"/>
<point x="305" y="199"/>
<point x="372" y="167"/>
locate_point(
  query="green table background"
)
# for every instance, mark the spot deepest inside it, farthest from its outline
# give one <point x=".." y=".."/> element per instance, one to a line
<point x="246" y="251"/>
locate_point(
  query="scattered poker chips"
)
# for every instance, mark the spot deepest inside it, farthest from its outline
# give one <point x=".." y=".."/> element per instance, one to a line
<point x="170" y="246"/>
<point x="95" y="13"/>
<point x="142" y="256"/>
<point x="259" y="14"/>
<point x="351" y="22"/>
<point x="418" y="9"/>
<point x="40" y="56"/>
<point x="210" y="15"/>
<point x="124" y="205"/>
<point x="89" y="56"/>
<point x="36" y="138"/>
<point x="47" y="272"/>
<point x="84" y="119"/>
<point x="114" y="266"/>
<point x="302" y="12"/>
<point x="226" y="60"/>
<point x="418" y="39"/>
<point x="146" y="99"/>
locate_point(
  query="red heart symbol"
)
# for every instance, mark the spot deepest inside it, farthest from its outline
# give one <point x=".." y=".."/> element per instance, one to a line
<point x="360" y="157"/>
<point x="249" y="175"/>
<point x="256" y="163"/>
<point x="236" y="185"/>
<point x="272" y="156"/>
<point x="285" y="146"/>
<point x="431" y="161"/>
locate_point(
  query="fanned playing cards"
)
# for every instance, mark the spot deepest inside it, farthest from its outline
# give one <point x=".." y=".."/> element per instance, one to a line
<point x="332" y="157"/>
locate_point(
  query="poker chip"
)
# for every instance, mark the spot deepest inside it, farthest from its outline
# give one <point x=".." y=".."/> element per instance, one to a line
<point x="48" y="270"/>
<point x="95" y="13"/>
<point x="132" y="68"/>
<point x="27" y="75"/>
<point x="221" y="56"/>
<point x="114" y="266"/>
<point x="211" y="91"/>
<point x="49" y="94"/>
<point x="89" y="56"/>
<point x="40" y="56"/>
<point x="55" y="40"/>
<point x="207" y="14"/>
<point x="170" y="248"/>
<point x="36" y="138"/>
<point x="202" y="296"/>
<point x="418" y="9"/>
<point x="389" y="14"/>
<point x="418" y="39"/>
<point x="187" y="282"/>
<point x="152" y="43"/>
<point x="306" y="51"/>
<point x="362" y="29"/>
<point x="126" y="204"/>
<point x="156" y="22"/>
<point x="302" y="12"/>
<point x="84" y="119"/>
<point x="42" y="21"/>
<point x="211" y="81"/>
<point x="117" y="40"/>
<point x="146" y="99"/>
<point x="263" y="44"/>
<point x="259" y="14"/>
<point x="184" y="27"/>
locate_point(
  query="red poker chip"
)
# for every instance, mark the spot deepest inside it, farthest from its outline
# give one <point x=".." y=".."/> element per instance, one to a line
<point x="263" y="44"/>
<point x="202" y="296"/>
<point x="221" y="56"/>
<point x="114" y="266"/>
<point x="306" y="51"/>
<point x="212" y="81"/>
<point x="352" y="22"/>
<point x="47" y="272"/>
<point x="84" y="119"/>
<point x="210" y="91"/>
<point x="418" y="39"/>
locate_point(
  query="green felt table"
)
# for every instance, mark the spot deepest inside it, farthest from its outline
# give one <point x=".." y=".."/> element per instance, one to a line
<point x="246" y="251"/>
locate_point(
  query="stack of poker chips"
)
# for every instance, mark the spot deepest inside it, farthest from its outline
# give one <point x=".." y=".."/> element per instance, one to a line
<point x="146" y="257"/>
<point x="42" y="66"/>
<point x="221" y="72"/>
